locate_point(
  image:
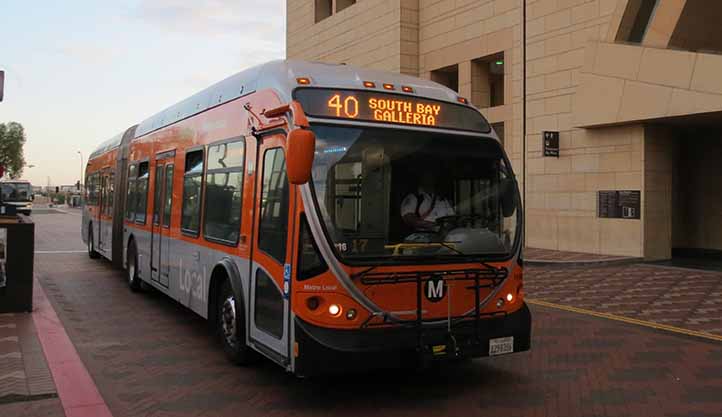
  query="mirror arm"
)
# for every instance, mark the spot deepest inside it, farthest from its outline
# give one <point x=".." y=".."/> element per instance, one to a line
<point x="297" y="114"/>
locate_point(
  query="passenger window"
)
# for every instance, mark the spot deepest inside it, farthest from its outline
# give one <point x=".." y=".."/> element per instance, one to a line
<point x="130" y="201"/>
<point x="142" y="192"/>
<point x="192" y="183"/>
<point x="224" y="192"/>
<point x="273" y="228"/>
<point x="168" y="195"/>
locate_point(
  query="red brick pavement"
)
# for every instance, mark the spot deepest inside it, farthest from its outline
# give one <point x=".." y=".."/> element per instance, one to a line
<point x="691" y="299"/>
<point x="545" y="256"/>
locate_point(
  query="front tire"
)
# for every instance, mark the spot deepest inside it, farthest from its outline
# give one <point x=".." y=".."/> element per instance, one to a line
<point x="92" y="253"/>
<point x="134" y="281"/>
<point x="230" y="326"/>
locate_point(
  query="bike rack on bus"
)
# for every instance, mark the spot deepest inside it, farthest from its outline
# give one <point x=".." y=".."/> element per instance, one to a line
<point x="488" y="277"/>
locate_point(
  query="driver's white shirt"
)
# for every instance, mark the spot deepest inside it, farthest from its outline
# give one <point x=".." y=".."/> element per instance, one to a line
<point x="442" y="207"/>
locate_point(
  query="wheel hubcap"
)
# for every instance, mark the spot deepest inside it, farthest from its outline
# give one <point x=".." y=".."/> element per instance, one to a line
<point x="228" y="320"/>
<point x="131" y="269"/>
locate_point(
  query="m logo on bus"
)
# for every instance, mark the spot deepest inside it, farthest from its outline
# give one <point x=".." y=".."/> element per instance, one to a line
<point x="435" y="289"/>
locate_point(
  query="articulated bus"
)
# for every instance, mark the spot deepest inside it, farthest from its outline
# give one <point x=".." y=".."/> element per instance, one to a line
<point x="327" y="217"/>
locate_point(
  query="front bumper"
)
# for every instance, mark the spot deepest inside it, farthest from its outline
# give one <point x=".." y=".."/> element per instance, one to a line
<point x="325" y="351"/>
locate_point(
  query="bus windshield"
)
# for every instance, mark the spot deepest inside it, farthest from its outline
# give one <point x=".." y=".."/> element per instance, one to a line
<point x="397" y="194"/>
<point x="15" y="191"/>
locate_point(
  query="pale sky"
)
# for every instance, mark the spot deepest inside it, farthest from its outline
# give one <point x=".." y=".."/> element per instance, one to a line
<point x="78" y="72"/>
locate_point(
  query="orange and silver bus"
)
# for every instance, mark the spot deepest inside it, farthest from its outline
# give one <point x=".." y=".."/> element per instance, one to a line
<point x="327" y="217"/>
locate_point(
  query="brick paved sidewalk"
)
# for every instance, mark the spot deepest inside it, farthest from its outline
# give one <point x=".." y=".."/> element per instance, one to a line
<point x="26" y="385"/>
<point x="547" y="256"/>
<point x="690" y="299"/>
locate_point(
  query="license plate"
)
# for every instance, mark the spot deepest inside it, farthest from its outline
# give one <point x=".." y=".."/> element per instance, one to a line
<point x="501" y="345"/>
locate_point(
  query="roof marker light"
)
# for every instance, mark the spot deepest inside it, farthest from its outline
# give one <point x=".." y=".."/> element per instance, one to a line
<point x="407" y="89"/>
<point x="462" y="100"/>
<point x="369" y="84"/>
<point x="303" y="80"/>
<point x="389" y="86"/>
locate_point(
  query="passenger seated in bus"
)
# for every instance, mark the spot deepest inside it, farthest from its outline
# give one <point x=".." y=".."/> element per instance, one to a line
<point x="421" y="209"/>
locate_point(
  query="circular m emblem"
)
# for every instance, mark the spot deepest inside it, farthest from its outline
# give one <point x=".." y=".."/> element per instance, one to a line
<point x="435" y="289"/>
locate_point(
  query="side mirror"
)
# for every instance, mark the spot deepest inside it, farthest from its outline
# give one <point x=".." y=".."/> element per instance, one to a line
<point x="301" y="146"/>
<point x="507" y="189"/>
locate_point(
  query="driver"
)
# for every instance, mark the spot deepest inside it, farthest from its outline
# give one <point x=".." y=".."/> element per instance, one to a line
<point x="421" y="209"/>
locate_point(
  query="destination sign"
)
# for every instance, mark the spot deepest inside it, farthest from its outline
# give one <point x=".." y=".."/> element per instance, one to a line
<point x="374" y="106"/>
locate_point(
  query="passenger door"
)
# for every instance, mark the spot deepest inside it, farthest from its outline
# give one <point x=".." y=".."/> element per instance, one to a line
<point x="106" y="213"/>
<point x="271" y="253"/>
<point x="160" y="226"/>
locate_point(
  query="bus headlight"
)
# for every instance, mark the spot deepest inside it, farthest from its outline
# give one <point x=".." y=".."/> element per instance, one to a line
<point x="334" y="310"/>
<point x="509" y="297"/>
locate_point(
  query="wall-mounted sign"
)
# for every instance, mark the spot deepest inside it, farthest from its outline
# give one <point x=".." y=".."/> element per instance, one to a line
<point x="619" y="204"/>
<point x="551" y="143"/>
<point x="375" y="106"/>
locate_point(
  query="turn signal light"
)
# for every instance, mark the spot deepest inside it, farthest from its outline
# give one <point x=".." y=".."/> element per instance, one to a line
<point x="351" y="314"/>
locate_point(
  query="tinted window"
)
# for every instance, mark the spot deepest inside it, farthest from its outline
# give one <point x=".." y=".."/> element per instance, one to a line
<point x="168" y="195"/>
<point x="142" y="192"/>
<point x="192" y="183"/>
<point x="224" y="191"/>
<point x="310" y="262"/>
<point x="274" y="205"/>
<point x="130" y="201"/>
<point x="110" y="194"/>
<point x="269" y="305"/>
<point x="157" y="193"/>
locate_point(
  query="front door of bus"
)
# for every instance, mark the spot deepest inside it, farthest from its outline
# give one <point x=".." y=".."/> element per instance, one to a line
<point x="271" y="253"/>
<point x="106" y="211"/>
<point x="162" y="205"/>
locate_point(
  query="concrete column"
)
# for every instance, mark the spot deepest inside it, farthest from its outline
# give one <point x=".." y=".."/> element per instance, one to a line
<point x="465" y="79"/>
<point x="480" y="92"/>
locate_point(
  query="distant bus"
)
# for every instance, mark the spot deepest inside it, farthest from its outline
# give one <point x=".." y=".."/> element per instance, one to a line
<point x="327" y="217"/>
<point x="18" y="193"/>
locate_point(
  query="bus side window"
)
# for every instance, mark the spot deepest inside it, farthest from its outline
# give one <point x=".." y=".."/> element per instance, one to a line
<point x="273" y="227"/>
<point x="130" y="201"/>
<point x="192" y="185"/>
<point x="141" y="192"/>
<point x="224" y="192"/>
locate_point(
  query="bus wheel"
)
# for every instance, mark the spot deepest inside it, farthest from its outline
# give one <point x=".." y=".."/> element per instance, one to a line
<point x="231" y="327"/>
<point x="134" y="281"/>
<point x="92" y="253"/>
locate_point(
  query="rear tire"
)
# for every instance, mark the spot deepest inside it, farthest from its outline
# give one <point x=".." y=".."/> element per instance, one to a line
<point x="230" y="326"/>
<point x="92" y="253"/>
<point x="134" y="281"/>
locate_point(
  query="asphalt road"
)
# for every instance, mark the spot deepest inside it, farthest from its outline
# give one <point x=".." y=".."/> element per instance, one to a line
<point x="151" y="357"/>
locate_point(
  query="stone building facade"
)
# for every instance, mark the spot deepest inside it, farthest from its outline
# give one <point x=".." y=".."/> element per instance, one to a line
<point x="633" y="87"/>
